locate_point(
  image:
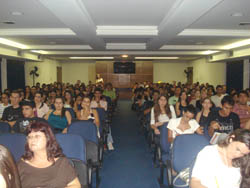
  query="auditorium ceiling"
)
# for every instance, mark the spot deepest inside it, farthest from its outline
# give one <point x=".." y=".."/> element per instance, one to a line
<point x="167" y="29"/>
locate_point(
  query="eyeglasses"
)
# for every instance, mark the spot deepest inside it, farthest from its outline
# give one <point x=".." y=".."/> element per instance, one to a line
<point x="37" y="137"/>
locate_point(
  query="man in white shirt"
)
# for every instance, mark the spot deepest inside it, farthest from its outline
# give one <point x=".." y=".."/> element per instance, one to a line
<point x="216" y="99"/>
<point x="4" y="103"/>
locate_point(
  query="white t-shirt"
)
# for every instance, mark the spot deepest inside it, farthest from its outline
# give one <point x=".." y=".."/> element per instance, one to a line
<point x="174" y="123"/>
<point x="162" y="117"/>
<point x="2" y="107"/>
<point x="212" y="172"/>
<point x="217" y="100"/>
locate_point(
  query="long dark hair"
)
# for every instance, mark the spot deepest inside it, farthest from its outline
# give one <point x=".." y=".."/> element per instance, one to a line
<point x="63" y="109"/>
<point x="8" y="169"/>
<point x="157" y="109"/>
<point x="52" y="147"/>
<point x="71" y="102"/>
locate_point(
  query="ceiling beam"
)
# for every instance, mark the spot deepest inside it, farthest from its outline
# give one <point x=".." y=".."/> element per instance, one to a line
<point x="74" y="15"/>
<point x="182" y="14"/>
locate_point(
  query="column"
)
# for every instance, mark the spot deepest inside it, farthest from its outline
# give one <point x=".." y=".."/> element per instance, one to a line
<point x="4" y="73"/>
<point x="246" y="74"/>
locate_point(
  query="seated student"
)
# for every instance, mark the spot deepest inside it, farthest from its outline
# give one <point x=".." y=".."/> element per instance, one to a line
<point x="223" y="120"/>
<point x="86" y="113"/>
<point x="59" y="118"/>
<point x="69" y="101"/>
<point x="9" y="177"/>
<point x="43" y="164"/>
<point x="41" y="108"/>
<point x="149" y="104"/>
<point x="161" y="113"/>
<point x="97" y="101"/>
<point x="28" y="109"/>
<point x="181" y="104"/>
<point x="4" y="103"/>
<point x="220" y="165"/>
<point x="202" y="116"/>
<point x="13" y="112"/>
<point x="242" y="109"/>
<point x="174" y="99"/>
<point x="216" y="99"/>
<point x="184" y="125"/>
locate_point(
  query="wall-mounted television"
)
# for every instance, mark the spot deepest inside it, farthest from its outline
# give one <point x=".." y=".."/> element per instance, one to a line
<point x="124" y="68"/>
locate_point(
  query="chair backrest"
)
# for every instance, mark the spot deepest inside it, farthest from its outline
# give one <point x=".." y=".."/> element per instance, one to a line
<point x="4" y="127"/>
<point x="165" y="145"/>
<point x="15" y="143"/>
<point x="86" y="129"/>
<point x="102" y="117"/>
<point x="73" y="146"/>
<point x="185" y="149"/>
<point x="71" y="111"/>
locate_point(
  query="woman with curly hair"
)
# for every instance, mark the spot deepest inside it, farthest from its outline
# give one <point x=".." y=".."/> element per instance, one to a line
<point x="43" y="164"/>
<point x="9" y="177"/>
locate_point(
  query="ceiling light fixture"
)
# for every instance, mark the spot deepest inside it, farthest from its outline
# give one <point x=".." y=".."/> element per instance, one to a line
<point x="16" y="13"/>
<point x="208" y="52"/>
<point x="244" y="23"/>
<point x="124" y="56"/>
<point x="39" y="51"/>
<point x="91" y="57"/>
<point x="237" y="14"/>
<point x="12" y="43"/>
<point x="237" y="44"/>
<point x="156" y="57"/>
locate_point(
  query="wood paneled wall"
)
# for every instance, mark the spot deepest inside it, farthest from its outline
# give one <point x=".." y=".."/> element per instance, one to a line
<point x="143" y="72"/>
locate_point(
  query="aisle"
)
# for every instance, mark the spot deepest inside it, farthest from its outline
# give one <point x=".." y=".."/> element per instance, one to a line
<point x="130" y="165"/>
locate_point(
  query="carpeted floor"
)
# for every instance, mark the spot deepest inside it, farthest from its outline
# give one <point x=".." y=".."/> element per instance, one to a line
<point x="130" y="165"/>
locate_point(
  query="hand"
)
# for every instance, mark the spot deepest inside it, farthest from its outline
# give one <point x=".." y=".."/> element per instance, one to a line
<point x="157" y="131"/>
<point x="65" y="131"/>
<point x="200" y="130"/>
<point x="159" y="124"/>
<point x="215" y="125"/>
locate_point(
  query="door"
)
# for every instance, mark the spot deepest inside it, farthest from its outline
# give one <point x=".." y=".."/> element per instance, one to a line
<point x="235" y="75"/>
<point x="59" y="74"/>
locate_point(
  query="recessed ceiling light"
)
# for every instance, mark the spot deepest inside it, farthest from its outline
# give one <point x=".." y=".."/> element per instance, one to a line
<point x="124" y="56"/>
<point x="199" y="43"/>
<point x="39" y="51"/>
<point x="208" y="52"/>
<point x="237" y="14"/>
<point x="156" y="57"/>
<point x="52" y="42"/>
<point x="16" y="13"/>
<point x="12" y="43"/>
<point x="91" y="57"/>
<point x="237" y="44"/>
<point x="8" y="22"/>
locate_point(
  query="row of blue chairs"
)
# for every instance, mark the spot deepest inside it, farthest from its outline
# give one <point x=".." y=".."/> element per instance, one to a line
<point x="81" y="145"/>
<point x="170" y="157"/>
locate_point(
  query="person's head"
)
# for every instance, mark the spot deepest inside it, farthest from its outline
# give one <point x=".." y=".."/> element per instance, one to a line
<point x="40" y="138"/>
<point x="203" y="94"/>
<point x="162" y="101"/>
<point x="15" y="98"/>
<point x="5" y="98"/>
<point x="235" y="97"/>
<point x="33" y="90"/>
<point x="206" y="103"/>
<point x="197" y="94"/>
<point x="237" y="144"/>
<point x="243" y="97"/>
<point x="227" y="105"/>
<point x="78" y="99"/>
<point x="183" y="96"/>
<point x="98" y="93"/>
<point x="59" y="103"/>
<point x="28" y="109"/>
<point x="156" y="95"/>
<point x="177" y="91"/>
<point x="188" y="112"/>
<point x="68" y="95"/>
<point x="52" y="94"/>
<point x="224" y="89"/>
<point x="38" y="97"/>
<point x="27" y="89"/>
<point x="86" y="102"/>
<point x="219" y="90"/>
<point x="8" y="171"/>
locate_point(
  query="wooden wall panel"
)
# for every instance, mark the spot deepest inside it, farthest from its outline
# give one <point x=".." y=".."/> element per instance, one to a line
<point x="144" y="72"/>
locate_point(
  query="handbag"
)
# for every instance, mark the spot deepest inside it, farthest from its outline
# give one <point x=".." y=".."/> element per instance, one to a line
<point x="184" y="176"/>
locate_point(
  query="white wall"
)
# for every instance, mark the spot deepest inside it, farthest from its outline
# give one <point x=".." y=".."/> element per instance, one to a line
<point x="46" y="69"/>
<point x="213" y="73"/>
<point x="78" y="70"/>
<point x="166" y="71"/>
